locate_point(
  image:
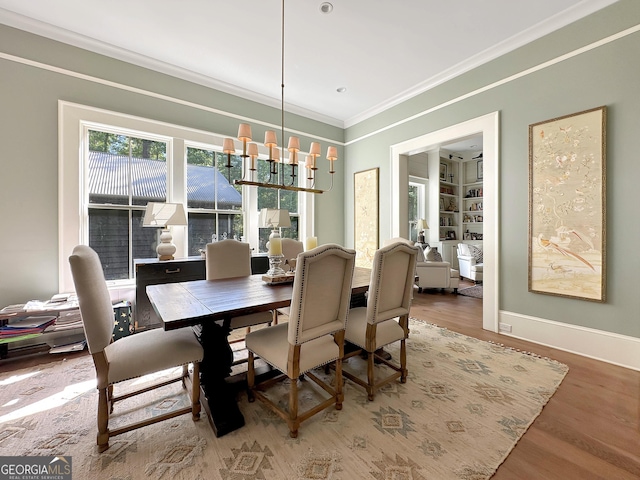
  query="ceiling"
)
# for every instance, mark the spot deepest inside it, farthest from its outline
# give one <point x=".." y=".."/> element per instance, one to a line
<point x="381" y="51"/>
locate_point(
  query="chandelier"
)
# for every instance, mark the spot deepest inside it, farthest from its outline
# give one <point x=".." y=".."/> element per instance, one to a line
<point x="276" y="159"/>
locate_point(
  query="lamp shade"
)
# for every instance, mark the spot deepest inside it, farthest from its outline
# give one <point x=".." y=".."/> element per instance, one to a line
<point x="274" y="218"/>
<point x="314" y="151"/>
<point x="422" y="224"/>
<point x="253" y="150"/>
<point x="244" y="132"/>
<point x="270" y="139"/>
<point x="294" y="144"/>
<point x="311" y="162"/>
<point x="162" y="215"/>
<point x="228" y="146"/>
<point x="332" y="153"/>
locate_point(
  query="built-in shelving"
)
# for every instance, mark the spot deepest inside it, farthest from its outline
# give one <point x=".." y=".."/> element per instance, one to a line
<point x="455" y="200"/>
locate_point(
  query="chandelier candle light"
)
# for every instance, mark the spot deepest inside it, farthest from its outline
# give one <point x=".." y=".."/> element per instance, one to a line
<point x="276" y="177"/>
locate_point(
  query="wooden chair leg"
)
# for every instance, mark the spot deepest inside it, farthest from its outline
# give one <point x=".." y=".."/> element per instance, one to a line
<point x="251" y="377"/>
<point x="293" y="409"/>
<point x="110" y="398"/>
<point x="185" y="374"/>
<point x="103" y="418"/>
<point x="403" y="361"/>
<point x="370" y="375"/>
<point x="338" y="387"/>
<point x="195" y="395"/>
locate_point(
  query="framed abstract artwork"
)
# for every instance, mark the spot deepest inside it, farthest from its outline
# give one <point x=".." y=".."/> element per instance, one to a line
<point x="567" y="185"/>
<point x="366" y="228"/>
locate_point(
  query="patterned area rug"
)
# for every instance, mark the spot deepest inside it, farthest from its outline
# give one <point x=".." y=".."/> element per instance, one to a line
<point x="475" y="291"/>
<point x="463" y="408"/>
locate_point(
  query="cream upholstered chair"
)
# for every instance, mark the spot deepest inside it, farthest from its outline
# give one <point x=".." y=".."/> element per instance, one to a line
<point x="231" y="258"/>
<point x="314" y="335"/>
<point x="131" y="356"/>
<point x="291" y="248"/>
<point x="385" y="318"/>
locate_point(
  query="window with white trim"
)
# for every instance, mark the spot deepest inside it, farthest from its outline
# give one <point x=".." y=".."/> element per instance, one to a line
<point x="125" y="162"/>
<point x="417" y="206"/>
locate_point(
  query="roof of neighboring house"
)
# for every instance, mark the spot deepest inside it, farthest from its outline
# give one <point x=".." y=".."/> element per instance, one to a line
<point x="109" y="174"/>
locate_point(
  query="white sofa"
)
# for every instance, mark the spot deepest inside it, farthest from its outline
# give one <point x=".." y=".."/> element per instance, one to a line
<point x="431" y="273"/>
<point x="470" y="261"/>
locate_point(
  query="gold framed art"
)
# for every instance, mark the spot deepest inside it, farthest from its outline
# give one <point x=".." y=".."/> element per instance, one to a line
<point x="567" y="185"/>
<point x="366" y="227"/>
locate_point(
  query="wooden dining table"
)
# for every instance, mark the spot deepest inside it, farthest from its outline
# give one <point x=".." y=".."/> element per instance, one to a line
<point x="209" y="306"/>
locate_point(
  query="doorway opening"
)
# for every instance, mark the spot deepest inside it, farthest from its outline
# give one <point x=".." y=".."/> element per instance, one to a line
<point x="487" y="127"/>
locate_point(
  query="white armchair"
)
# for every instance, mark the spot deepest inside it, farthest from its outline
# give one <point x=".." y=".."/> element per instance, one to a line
<point x="470" y="261"/>
<point x="434" y="273"/>
<point x="431" y="273"/>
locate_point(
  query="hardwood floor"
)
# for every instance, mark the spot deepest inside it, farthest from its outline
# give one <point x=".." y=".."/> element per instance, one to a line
<point x="590" y="429"/>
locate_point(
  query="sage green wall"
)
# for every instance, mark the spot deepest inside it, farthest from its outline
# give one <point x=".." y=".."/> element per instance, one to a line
<point x="607" y="75"/>
<point x="29" y="159"/>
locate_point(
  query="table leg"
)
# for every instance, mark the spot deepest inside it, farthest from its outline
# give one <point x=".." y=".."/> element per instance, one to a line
<point x="218" y="397"/>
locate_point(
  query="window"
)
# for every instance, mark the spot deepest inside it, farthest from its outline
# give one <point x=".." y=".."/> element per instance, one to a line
<point x="124" y="173"/>
<point x="214" y="203"/>
<point x="127" y="161"/>
<point x="283" y="199"/>
<point x="416" y="206"/>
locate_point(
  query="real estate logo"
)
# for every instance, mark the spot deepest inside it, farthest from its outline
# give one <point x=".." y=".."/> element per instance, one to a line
<point x="35" y="468"/>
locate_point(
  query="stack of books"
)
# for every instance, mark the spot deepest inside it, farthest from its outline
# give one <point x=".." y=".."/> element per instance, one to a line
<point x="25" y="327"/>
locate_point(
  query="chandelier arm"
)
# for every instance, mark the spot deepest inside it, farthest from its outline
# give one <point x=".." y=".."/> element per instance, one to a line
<point x="290" y="188"/>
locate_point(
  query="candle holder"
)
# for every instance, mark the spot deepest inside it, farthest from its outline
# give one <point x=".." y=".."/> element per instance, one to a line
<point x="275" y="254"/>
<point x="274" y="265"/>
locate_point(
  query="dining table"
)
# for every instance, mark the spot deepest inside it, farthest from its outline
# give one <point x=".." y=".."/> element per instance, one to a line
<point x="208" y="306"/>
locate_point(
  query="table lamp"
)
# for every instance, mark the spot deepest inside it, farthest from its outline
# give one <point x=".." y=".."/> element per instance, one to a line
<point x="274" y="219"/>
<point x="421" y="226"/>
<point x="165" y="215"/>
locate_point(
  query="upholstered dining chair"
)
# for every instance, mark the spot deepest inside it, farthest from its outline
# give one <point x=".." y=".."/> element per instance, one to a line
<point x="314" y="335"/>
<point x="385" y="318"/>
<point x="227" y="259"/>
<point x="132" y="356"/>
<point x="291" y="248"/>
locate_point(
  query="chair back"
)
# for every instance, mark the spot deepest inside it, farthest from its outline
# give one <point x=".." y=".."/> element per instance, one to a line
<point x="321" y="292"/>
<point x="291" y="248"/>
<point x="391" y="241"/>
<point x="391" y="285"/>
<point x="227" y="259"/>
<point x="96" y="309"/>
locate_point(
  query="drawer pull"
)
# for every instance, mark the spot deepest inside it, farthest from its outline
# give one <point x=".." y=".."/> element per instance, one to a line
<point x="175" y="270"/>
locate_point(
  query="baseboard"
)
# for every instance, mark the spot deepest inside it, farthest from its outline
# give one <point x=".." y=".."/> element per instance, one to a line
<point x="597" y="344"/>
